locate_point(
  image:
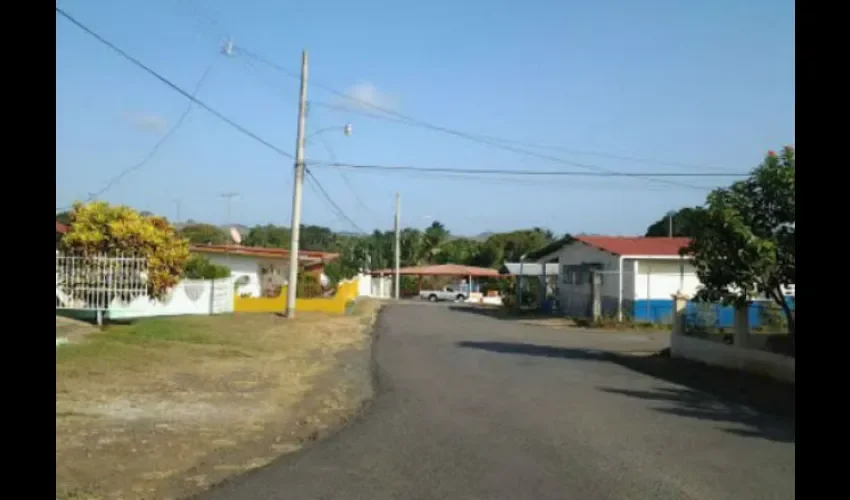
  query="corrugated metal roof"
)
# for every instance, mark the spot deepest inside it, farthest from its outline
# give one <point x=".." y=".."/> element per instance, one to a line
<point x="641" y="245"/>
<point x="532" y="268"/>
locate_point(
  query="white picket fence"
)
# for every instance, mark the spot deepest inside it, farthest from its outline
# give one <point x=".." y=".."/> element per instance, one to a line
<point x="93" y="282"/>
<point x="116" y="286"/>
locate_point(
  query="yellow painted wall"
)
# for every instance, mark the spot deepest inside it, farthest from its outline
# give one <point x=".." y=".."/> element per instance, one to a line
<point x="345" y="292"/>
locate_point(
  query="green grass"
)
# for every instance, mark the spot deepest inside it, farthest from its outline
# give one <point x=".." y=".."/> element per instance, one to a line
<point x="119" y="341"/>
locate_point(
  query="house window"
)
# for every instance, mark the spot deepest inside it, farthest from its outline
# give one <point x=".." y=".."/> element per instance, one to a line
<point x="579" y="274"/>
<point x="567" y="275"/>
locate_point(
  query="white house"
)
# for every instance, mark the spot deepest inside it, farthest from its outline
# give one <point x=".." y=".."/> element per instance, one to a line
<point x="639" y="274"/>
<point x="261" y="271"/>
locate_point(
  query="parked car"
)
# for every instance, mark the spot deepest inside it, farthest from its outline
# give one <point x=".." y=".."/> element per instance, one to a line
<point x="447" y="293"/>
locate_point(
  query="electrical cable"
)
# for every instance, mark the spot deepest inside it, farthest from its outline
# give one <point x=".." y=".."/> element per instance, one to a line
<point x="155" y="149"/>
<point x="173" y="86"/>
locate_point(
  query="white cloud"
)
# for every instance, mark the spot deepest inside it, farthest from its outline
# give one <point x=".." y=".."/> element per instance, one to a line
<point x="149" y="122"/>
<point x="365" y="95"/>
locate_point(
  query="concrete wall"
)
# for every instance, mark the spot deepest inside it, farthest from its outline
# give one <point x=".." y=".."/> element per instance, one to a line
<point x="382" y="287"/>
<point x="661" y="278"/>
<point x="738" y="358"/>
<point x="241" y="265"/>
<point x="656" y="280"/>
<point x="188" y="297"/>
<point x="346" y="292"/>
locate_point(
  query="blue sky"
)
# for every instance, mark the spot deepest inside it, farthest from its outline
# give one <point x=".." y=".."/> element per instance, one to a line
<point x="700" y="83"/>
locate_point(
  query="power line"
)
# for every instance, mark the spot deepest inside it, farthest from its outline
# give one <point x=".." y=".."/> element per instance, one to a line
<point x="112" y="182"/>
<point x="332" y="203"/>
<point x="408" y="120"/>
<point x="173" y="86"/>
<point x="647" y="161"/>
<point x="490" y="140"/>
<point x="558" y="173"/>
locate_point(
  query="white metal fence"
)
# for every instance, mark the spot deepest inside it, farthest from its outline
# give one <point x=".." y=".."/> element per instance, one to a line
<point x="92" y="282"/>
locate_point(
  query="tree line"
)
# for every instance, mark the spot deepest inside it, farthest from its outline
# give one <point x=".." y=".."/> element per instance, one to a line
<point x="433" y="245"/>
<point x="742" y="240"/>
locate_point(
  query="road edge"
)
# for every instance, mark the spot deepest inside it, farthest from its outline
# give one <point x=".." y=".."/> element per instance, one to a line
<point x="309" y="439"/>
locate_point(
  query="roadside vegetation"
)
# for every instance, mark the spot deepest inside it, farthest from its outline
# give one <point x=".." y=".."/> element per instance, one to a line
<point x="165" y="407"/>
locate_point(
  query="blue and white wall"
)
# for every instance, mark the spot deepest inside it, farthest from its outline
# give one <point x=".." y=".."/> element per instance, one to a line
<point x="655" y="282"/>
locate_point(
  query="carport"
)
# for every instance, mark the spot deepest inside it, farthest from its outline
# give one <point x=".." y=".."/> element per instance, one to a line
<point x="448" y="270"/>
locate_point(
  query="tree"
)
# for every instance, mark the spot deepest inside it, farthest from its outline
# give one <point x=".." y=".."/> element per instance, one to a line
<point x="412" y="245"/>
<point x="432" y="239"/>
<point x="458" y="251"/>
<point x="268" y="236"/>
<point x="64" y="217"/>
<point x="510" y="247"/>
<point x="683" y="224"/>
<point x="98" y="228"/>
<point x="205" y="234"/>
<point x="743" y="244"/>
<point x="199" y="267"/>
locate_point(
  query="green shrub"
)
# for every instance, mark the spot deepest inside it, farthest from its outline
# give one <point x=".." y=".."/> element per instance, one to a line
<point x="308" y="286"/>
<point x="198" y="267"/>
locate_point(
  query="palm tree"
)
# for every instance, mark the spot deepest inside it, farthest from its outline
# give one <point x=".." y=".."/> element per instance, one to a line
<point x="411" y="247"/>
<point x="435" y="235"/>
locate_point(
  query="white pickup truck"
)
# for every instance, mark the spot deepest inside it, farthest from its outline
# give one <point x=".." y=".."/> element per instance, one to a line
<point x="447" y="293"/>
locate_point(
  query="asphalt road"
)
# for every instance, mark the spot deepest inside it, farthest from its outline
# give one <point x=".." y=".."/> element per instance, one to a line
<point x="473" y="407"/>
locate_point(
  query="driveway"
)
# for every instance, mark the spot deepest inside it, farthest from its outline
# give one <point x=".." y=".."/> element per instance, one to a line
<point x="473" y="407"/>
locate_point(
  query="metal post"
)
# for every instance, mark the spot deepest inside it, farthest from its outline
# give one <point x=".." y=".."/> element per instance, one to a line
<point x="177" y="203"/>
<point x="298" y="184"/>
<point x="648" y="293"/>
<point x="397" y="283"/>
<point x="519" y="283"/>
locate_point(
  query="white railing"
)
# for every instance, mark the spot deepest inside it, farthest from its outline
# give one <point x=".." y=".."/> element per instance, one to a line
<point x="93" y="282"/>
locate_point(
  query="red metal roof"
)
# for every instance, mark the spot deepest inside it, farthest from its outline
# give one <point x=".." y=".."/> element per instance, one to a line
<point x="637" y="245"/>
<point x="444" y="270"/>
<point x="273" y="253"/>
<point x="61" y="228"/>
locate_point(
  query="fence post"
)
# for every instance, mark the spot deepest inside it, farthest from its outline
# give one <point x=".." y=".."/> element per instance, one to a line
<point x="741" y="325"/>
<point x="680" y="303"/>
<point x="595" y="295"/>
<point x="649" y="295"/>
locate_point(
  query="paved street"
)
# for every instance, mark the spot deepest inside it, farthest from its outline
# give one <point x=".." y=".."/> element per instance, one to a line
<point x="473" y="407"/>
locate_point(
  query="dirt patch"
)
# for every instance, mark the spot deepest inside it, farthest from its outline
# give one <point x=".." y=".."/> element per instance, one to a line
<point x="73" y="330"/>
<point x="168" y="407"/>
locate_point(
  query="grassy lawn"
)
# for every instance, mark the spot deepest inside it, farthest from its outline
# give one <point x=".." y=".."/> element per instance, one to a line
<point x="167" y="406"/>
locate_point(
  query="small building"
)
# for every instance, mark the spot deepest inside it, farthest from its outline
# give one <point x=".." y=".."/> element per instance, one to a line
<point x="638" y="275"/>
<point x="261" y="272"/>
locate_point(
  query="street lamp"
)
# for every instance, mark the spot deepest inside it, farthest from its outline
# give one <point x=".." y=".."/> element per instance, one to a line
<point x="292" y="282"/>
<point x="346" y="130"/>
